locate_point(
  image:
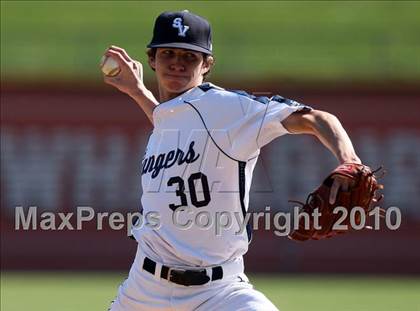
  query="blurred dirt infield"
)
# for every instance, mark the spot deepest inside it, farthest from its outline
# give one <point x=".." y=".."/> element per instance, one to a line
<point x="385" y="111"/>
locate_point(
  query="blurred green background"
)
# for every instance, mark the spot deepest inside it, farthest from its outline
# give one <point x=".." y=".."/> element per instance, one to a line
<point x="94" y="291"/>
<point x="306" y="40"/>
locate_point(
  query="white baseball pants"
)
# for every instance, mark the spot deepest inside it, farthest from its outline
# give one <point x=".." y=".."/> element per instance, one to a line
<point x="145" y="291"/>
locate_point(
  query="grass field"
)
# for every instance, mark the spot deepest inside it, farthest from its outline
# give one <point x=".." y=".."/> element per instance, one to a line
<point x="93" y="291"/>
<point x="292" y="39"/>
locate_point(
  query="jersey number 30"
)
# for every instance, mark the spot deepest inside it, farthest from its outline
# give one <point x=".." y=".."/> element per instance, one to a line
<point x="180" y="192"/>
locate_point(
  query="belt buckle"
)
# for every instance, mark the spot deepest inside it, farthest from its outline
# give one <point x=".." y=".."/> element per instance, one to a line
<point x="188" y="277"/>
<point x="176" y="270"/>
<point x="176" y="277"/>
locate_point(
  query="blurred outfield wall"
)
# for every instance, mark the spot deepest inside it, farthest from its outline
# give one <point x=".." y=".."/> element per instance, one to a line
<point x="65" y="148"/>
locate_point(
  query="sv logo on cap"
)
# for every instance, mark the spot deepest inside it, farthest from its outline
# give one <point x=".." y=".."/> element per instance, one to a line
<point x="182" y="29"/>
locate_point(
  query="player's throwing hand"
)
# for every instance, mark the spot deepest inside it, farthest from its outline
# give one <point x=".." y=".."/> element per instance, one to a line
<point x="129" y="80"/>
<point x="130" y="77"/>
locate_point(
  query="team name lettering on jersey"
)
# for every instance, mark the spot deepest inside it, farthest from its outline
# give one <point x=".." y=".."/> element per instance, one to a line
<point x="154" y="164"/>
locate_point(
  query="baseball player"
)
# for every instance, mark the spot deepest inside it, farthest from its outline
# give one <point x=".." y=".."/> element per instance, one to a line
<point x="198" y="164"/>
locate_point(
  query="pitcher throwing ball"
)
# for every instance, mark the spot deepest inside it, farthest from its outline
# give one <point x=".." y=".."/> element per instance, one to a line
<point x="199" y="158"/>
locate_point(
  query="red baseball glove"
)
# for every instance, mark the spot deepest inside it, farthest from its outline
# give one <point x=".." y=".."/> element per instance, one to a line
<point x="361" y="193"/>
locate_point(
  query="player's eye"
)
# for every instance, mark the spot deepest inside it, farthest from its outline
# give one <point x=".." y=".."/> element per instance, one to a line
<point x="190" y="56"/>
<point x="167" y="52"/>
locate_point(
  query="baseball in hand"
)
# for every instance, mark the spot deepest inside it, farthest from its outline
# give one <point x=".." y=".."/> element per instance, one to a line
<point x="109" y="66"/>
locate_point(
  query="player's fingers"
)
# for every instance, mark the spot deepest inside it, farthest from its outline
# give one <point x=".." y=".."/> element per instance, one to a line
<point x="118" y="57"/>
<point x="139" y="69"/>
<point x="109" y="80"/>
<point x="114" y="81"/>
<point x="136" y="65"/>
<point x="122" y="52"/>
<point x="334" y="191"/>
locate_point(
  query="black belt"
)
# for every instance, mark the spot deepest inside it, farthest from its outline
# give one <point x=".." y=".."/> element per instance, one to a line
<point x="183" y="277"/>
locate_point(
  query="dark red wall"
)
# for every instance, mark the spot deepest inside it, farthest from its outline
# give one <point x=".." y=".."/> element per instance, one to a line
<point x="382" y="121"/>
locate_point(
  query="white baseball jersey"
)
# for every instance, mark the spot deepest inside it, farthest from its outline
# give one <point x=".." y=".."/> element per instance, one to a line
<point x="198" y="166"/>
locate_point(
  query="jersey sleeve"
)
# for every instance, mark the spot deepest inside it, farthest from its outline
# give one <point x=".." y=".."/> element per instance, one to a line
<point x="261" y="123"/>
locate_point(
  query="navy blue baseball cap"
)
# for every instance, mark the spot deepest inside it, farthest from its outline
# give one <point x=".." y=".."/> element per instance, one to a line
<point x="182" y="30"/>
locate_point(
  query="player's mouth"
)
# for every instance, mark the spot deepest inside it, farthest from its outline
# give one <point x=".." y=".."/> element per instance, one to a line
<point x="176" y="77"/>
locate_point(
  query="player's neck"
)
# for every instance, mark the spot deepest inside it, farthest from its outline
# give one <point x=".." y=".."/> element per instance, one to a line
<point x="165" y="95"/>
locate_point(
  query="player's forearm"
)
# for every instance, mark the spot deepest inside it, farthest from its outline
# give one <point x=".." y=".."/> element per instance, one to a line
<point x="328" y="129"/>
<point x="146" y="100"/>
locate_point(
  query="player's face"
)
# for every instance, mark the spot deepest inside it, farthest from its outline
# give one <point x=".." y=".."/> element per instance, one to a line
<point x="178" y="70"/>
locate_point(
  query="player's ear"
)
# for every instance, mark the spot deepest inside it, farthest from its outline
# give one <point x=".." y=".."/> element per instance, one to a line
<point x="152" y="62"/>
<point x="208" y="62"/>
<point x="151" y="58"/>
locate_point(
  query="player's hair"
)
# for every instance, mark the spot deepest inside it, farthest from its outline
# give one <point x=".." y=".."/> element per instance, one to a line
<point x="207" y="58"/>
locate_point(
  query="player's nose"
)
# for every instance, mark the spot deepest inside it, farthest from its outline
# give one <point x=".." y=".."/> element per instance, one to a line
<point x="177" y="64"/>
<point x="177" y="67"/>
